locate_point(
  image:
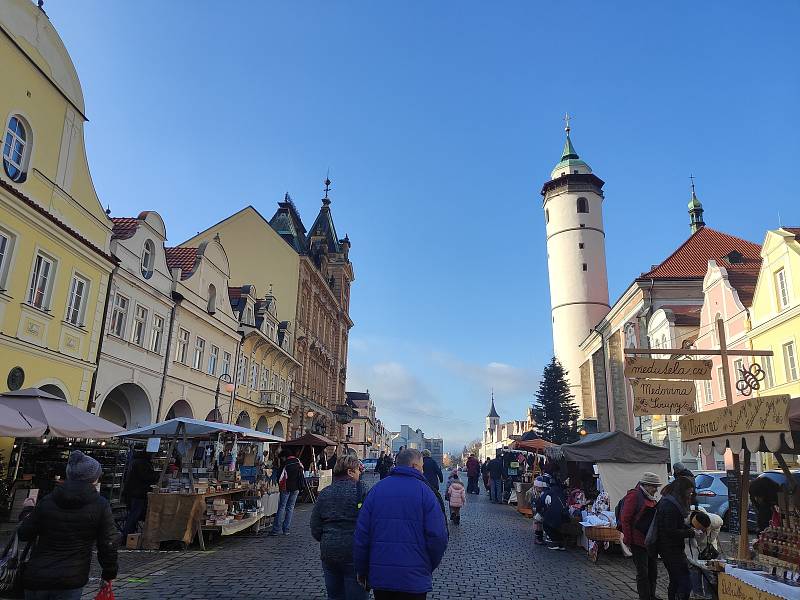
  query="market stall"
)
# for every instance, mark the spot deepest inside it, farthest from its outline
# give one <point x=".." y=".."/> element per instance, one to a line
<point x="308" y="449"/>
<point x="534" y="451"/>
<point x="771" y="568"/>
<point x="200" y="487"/>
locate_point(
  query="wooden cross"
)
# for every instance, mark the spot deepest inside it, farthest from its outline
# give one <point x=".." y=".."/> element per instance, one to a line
<point x="724" y="352"/>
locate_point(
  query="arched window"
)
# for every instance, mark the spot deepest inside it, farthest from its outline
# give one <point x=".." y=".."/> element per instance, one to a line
<point x="546" y="215"/>
<point x="16" y="149"/>
<point x="583" y="205"/>
<point x="148" y="258"/>
<point x="212" y="299"/>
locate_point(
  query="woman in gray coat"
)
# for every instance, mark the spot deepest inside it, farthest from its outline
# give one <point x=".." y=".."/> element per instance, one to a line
<point x="333" y="522"/>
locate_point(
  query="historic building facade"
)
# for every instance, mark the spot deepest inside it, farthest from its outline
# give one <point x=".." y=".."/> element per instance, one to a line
<point x="497" y="435"/>
<point x="55" y="259"/>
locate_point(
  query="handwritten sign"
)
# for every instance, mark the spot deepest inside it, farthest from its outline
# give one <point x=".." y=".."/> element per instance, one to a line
<point x="659" y="368"/>
<point x="731" y="588"/>
<point x="734" y="495"/>
<point x="654" y="397"/>
<point x="754" y="415"/>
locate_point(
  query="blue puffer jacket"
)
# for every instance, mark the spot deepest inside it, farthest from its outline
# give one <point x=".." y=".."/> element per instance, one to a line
<point x="401" y="534"/>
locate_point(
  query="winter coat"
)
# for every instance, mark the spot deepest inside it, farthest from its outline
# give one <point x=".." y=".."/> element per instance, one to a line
<point x="68" y="523"/>
<point x="458" y="495"/>
<point x="635" y="503"/>
<point x="295" y="477"/>
<point x="401" y="533"/>
<point x="333" y="520"/>
<point x="672" y="529"/>
<point x="496" y="469"/>
<point x="553" y="508"/>
<point x="473" y="467"/>
<point x="485" y="468"/>
<point x="432" y="471"/>
<point x="140" y="477"/>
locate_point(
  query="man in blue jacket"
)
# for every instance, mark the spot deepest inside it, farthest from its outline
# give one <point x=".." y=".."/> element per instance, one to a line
<point x="401" y="533"/>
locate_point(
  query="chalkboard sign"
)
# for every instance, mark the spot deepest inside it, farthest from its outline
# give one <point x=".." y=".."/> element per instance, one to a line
<point x="734" y="495"/>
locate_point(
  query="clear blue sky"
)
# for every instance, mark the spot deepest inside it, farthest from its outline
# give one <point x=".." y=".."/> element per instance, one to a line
<point x="439" y="122"/>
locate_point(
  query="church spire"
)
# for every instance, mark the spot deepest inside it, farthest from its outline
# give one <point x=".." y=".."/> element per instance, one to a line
<point x="493" y="412"/>
<point x="696" y="222"/>
<point x="570" y="163"/>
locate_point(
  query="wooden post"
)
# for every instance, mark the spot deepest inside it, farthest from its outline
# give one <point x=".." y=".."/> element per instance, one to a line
<point x="723" y="352"/>
<point x="181" y="427"/>
<point x="744" y="543"/>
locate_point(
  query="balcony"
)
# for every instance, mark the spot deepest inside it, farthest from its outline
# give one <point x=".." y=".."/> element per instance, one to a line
<point x="274" y="399"/>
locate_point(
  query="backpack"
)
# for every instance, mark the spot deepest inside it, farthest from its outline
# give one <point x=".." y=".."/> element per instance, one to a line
<point x="620" y="504"/>
<point x="644" y="518"/>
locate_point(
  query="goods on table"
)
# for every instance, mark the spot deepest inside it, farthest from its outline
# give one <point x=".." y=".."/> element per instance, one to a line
<point x="221" y="511"/>
<point x="779" y="544"/>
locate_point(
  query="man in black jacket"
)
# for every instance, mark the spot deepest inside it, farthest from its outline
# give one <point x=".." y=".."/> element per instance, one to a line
<point x="290" y="481"/>
<point x="495" y="468"/>
<point x="68" y="523"/>
<point x="431" y="470"/>
<point x="140" y="477"/>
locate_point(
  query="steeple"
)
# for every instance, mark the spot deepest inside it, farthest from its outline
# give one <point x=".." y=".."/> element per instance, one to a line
<point x="492" y="412"/>
<point x="695" y="211"/>
<point x="570" y="162"/>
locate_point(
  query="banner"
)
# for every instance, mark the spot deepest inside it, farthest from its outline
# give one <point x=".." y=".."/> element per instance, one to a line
<point x="638" y="367"/>
<point x="754" y="415"/>
<point x="660" y="397"/>
<point x="731" y="588"/>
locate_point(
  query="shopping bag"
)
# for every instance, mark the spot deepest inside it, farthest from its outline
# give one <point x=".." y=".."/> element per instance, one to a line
<point x="12" y="562"/>
<point x="106" y="592"/>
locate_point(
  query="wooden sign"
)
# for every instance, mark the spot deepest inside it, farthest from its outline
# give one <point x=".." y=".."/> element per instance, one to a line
<point x="661" y="397"/>
<point x="754" y="415"/>
<point x="640" y="367"/>
<point x="734" y="484"/>
<point x="731" y="588"/>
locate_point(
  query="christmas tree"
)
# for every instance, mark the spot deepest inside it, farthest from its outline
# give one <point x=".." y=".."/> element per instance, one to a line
<point x="554" y="409"/>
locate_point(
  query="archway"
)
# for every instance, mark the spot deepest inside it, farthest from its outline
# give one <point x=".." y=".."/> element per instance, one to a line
<point x="126" y="405"/>
<point x="243" y="420"/>
<point x="53" y="389"/>
<point x="180" y="409"/>
<point x="262" y="424"/>
<point x="214" y="416"/>
<point x="277" y="430"/>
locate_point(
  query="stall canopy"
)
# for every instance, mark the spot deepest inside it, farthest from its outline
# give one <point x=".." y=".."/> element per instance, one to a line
<point x="198" y="429"/>
<point x="609" y="446"/>
<point x="59" y="417"/>
<point x="14" y="424"/>
<point x="537" y="445"/>
<point x="311" y="439"/>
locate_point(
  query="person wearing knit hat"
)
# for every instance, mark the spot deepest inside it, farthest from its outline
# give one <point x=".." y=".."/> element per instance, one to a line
<point x="650" y="479"/>
<point x="83" y="468"/>
<point x="635" y="515"/>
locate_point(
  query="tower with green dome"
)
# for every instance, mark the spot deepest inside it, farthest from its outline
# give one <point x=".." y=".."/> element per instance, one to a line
<point x="696" y="222"/>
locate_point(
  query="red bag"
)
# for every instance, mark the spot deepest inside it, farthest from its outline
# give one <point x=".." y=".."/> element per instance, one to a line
<point x="105" y="593"/>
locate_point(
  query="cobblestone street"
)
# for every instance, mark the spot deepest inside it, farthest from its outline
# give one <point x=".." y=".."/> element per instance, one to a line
<point x="491" y="555"/>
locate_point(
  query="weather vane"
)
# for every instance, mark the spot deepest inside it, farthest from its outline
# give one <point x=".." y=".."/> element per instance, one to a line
<point x="567" y="119"/>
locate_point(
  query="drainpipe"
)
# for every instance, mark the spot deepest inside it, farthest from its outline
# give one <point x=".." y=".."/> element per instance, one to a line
<point x="176" y="298"/>
<point x="93" y="386"/>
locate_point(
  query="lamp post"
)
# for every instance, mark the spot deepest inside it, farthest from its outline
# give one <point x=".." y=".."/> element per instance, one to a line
<point x="229" y="387"/>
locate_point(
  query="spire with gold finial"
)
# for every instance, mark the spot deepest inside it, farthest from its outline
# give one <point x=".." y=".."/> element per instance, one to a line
<point x="696" y="222"/>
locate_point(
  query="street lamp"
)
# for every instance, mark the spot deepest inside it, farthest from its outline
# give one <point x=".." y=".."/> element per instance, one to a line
<point x="229" y="387"/>
<point x="310" y="414"/>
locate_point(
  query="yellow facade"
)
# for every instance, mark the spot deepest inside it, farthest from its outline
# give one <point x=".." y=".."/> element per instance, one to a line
<point x="775" y="313"/>
<point x="55" y="262"/>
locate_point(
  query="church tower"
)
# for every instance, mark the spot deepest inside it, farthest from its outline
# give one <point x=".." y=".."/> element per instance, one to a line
<point x="492" y="419"/>
<point x="576" y="257"/>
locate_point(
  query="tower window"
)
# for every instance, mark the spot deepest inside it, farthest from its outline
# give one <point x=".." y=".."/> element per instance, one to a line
<point x="585" y="268"/>
<point x="583" y="205"/>
<point x="148" y="259"/>
<point x="580" y="245"/>
<point x="583" y="224"/>
<point x="16" y="149"/>
<point x="546" y="215"/>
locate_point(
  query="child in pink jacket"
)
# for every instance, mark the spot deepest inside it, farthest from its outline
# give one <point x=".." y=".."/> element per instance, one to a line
<point x="457" y="496"/>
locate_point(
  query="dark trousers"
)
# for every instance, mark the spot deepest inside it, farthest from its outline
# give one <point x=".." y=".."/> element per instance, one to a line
<point x="341" y="582"/>
<point x="646" y="572"/>
<point x="387" y="595"/>
<point x="472" y="484"/>
<point x="554" y="534"/>
<point x="455" y="514"/>
<point x="136" y="512"/>
<point x="680" y="581"/>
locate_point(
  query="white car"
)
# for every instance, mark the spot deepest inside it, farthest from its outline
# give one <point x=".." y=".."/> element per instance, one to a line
<point x="369" y="463"/>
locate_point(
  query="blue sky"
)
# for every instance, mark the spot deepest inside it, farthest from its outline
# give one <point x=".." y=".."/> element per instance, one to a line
<point x="439" y="123"/>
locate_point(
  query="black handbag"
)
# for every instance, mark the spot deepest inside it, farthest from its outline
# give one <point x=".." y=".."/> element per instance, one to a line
<point x="708" y="553"/>
<point x="12" y="565"/>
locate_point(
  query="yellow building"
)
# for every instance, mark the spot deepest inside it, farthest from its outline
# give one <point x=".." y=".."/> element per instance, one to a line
<point x="54" y="235"/>
<point x="775" y="313"/>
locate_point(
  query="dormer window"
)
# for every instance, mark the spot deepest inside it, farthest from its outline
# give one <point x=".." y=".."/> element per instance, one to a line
<point x="16" y="149"/>
<point x="734" y="257"/>
<point x="148" y="259"/>
<point x="583" y="205"/>
<point x="248" y="316"/>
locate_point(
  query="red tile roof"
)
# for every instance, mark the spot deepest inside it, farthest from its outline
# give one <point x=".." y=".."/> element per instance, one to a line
<point x="183" y="259"/>
<point x="234" y="293"/>
<point x="690" y="260"/>
<point x="744" y="282"/>
<point x="124" y="227"/>
<point x="685" y="314"/>
<point x="793" y="230"/>
<point x="57" y="222"/>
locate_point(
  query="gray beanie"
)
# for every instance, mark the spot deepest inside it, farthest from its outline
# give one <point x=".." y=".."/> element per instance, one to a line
<point x="83" y="468"/>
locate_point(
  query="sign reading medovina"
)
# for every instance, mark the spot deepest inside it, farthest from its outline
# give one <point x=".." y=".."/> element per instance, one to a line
<point x="767" y="414"/>
<point x="654" y="397"/>
<point x="658" y="368"/>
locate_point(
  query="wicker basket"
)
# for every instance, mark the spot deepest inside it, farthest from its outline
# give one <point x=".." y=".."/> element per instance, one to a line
<point x="603" y="533"/>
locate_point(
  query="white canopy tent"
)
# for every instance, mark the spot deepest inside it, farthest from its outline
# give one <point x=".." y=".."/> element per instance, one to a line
<point x="196" y="428"/>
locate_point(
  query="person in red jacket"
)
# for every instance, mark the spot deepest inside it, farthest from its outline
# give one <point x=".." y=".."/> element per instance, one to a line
<point x="638" y="510"/>
<point x="473" y="472"/>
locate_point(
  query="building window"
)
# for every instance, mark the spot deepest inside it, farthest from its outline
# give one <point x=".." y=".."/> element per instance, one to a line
<point x="119" y="314"/>
<point x="738" y="366"/>
<point x="76" y="304"/>
<point x="41" y="282"/>
<point x="226" y="363"/>
<point x="156" y="334"/>
<point x="139" y="325"/>
<point x="781" y="289"/>
<point x="585" y="267"/>
<point x="199" y="351"/>
<point x="6" y="248"/>
<point x="721" y="382"/>
<point x="583" y="205"/>
<point x="248" y="316"/>
<point x="183" y="346"/>
<point x="242" y="369"/>
<point x="769" y="374"/>
<point x="253" y="376"/>
<point x="546" y="215"/>
<point x="349" y="431"/>
<point x="16" y="149"/>
<point x="580" y="245"/>
<point x="212" y="299"/>
<point x="707" y="393"/>
<point x="148" y="259"/>
<point x="264" y="378"/>
<point x="212" y="360"/>
<point x="790" y="361"/>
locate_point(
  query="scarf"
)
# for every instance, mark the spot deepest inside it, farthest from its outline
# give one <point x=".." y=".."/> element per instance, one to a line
<point x="646" y="495"/>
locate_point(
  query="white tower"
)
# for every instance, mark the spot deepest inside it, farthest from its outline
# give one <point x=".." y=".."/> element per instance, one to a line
<point x="576" y="257"/>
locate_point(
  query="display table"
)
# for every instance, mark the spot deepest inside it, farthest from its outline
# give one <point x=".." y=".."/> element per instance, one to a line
<point x="237" y="526"/>
<point x="740" y="584"/>
<point x="523" y="506"/>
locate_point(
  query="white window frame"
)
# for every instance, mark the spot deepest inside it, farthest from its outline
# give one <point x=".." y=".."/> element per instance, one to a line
<point x="790" y="361"/>
<point x="156" y="333"/>
<point x="769" y="373"/>
<point x="721" y="382"/>
<point x="199" y="353"/>
<point x="147" y="266"/>
<point x="226" y="363"/>
<point x="213" y="359"/>
<point x="9" y="143"/>
<point x="7" y="244"/>
<point x="182" y="347"/>
<point x="264" y="378"/>
<point x="253" y="375"/>
<point x="39" y="259"/>
<point x="119" y="315"/>
<point x="737" y="364"/>
<point x="242" y="369"/>
<point x="139" y="328"/>
<point x="781" y="289"/>
<point x="708" y="392"/>
<point x="76" y="302"/>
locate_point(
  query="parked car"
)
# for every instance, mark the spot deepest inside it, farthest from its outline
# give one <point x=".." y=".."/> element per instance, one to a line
<point x="369" y="463"/>
<point x="779" y="477"/>
<point x="711" y="488"/>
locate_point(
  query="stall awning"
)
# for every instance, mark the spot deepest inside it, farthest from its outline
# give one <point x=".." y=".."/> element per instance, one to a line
<point x="532" y="445"/>
<point x="311" y="439"/>
<point x="765" y="424"/>
<point x="609" y="446"/>
<point x="198" y="429"/>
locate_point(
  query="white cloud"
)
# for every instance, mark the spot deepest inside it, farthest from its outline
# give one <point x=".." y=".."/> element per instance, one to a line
<point x="503" y="378"/>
